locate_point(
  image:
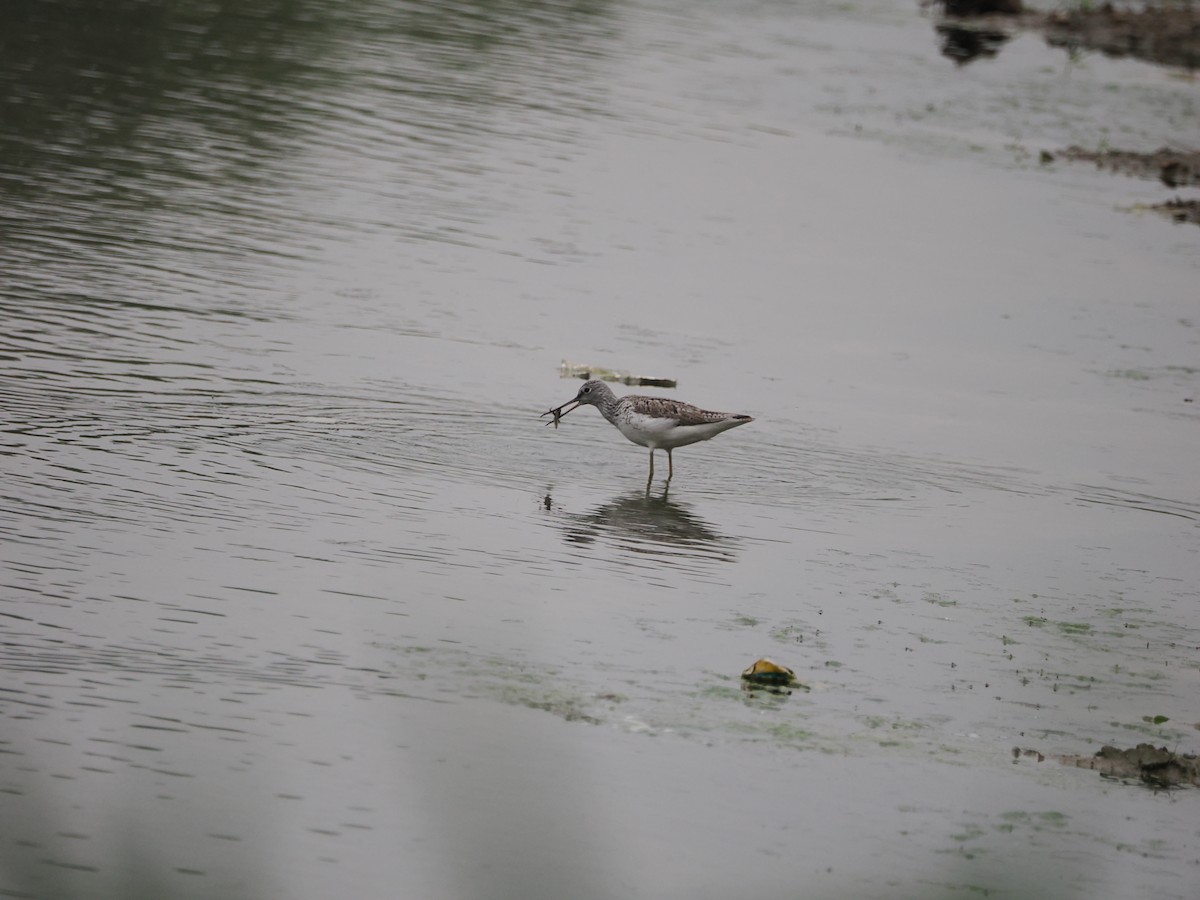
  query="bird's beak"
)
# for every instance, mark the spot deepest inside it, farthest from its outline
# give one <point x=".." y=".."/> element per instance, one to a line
<point x="559" y="411"/>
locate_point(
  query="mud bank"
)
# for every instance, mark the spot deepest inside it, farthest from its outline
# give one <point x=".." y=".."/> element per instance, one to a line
<point x="1173" y="168"/>
<point x="1166" y="35"/>
<point x="1156" y="766"/>
<point x="1169" y="36"/>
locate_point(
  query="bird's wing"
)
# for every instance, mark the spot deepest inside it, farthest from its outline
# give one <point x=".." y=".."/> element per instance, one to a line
<point x="682" y="413"/>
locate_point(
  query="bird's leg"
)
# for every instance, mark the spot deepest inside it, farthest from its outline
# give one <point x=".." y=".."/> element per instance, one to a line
<point x="670" y="465"/>
<point x="651" y="478"/>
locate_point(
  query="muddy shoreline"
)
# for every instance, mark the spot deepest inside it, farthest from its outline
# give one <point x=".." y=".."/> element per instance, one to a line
<point x="1166" y="35"/>
<point x="1169" y="36"/>
<point x="1163" y="35"/>
<point x="1157" y="767"/>
<point x="1174" y="168"/>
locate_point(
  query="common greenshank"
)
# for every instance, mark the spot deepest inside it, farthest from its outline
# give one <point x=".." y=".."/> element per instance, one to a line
<point x="655" y="422"/>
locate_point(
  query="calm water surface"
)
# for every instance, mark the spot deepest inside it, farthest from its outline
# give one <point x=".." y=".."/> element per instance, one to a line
<point x="300" y="598"/>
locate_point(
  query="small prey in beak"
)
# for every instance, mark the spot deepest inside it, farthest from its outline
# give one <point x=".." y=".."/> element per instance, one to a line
<point x="559" y="411"/>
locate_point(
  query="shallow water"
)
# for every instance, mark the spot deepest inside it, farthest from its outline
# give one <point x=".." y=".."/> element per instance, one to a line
<point x="301" y="598"/>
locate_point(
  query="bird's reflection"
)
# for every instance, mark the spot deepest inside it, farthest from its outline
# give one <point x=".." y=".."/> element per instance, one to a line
<point x="645" y="524"/>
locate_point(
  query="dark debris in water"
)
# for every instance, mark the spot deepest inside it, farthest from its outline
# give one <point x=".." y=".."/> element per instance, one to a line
<point x="1180" y="210"/>
<point x="966" y="8"/>
<point x="618" y="376"/>
<point x="966" y="44"/>
<point x="1155" y="766"/>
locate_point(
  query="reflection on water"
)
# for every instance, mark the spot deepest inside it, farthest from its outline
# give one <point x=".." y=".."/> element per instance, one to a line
<point x="199" y="150"/>
<point x="231" y="424"/>
<point x="964" y="45"/>
<point x="40" y="648"/>
<point x="645" y="525"/>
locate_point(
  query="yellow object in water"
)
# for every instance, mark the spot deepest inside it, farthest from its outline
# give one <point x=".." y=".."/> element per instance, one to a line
<point x="766" y="671"/>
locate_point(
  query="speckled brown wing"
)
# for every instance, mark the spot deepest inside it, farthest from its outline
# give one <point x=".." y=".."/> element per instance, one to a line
<point x="683" y="413"/>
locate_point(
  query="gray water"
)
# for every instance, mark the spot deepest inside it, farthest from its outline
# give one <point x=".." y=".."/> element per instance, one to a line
<point x="300" y="598"/>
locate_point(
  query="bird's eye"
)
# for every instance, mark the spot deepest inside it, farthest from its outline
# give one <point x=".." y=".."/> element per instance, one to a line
<point x="587" y="390"/>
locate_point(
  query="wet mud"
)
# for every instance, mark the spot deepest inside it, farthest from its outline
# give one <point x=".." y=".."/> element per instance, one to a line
<point x="1173" y="168"/>
<point x="1156" y="766"/>
<point x="1166" y="35"/>
<point x="1180" y="210"/>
